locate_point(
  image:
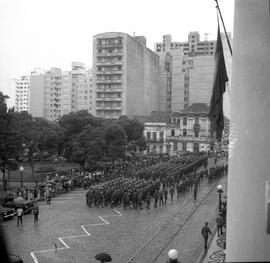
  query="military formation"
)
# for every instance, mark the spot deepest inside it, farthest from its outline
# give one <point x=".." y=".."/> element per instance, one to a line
<point x="136" y="192"/>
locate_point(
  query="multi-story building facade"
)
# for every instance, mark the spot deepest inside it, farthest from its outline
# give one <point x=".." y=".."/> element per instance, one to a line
<point x="22" y="86"/>
<point x="188" y="70"/>
<point x="52" y="95"/>
<point x="37" y="92"/>
<point x="178" y="132"/>
<point x="125" y="76"/>
<point x="55" y="92"/>
<point x="81" y="87"/>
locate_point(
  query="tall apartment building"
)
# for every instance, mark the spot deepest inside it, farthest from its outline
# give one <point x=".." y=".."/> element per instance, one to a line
<point x="193" y="47"/>
<point x="81" y="87"/>
<point x="22" y="86"/>
<point x="125" y="76"/>
<point x="188" y="70"/>
<point x="37" y="92"/>
<point x="55" y="92"/>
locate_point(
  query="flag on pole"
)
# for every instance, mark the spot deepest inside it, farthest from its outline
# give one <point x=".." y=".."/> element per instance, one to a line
<point x="219" y="87"/>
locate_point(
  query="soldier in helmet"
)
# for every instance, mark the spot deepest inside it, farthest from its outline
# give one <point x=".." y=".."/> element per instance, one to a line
<point x="155" y="198"/>
<point x="148" y="200"/>
<point x="140" y="200"/>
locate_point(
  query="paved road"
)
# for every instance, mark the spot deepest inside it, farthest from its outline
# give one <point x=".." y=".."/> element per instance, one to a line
<point x="80" y="232"/>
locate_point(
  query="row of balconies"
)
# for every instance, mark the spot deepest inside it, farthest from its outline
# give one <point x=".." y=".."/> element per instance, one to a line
<point x="116" y="72"/>
<point x="107" y="54"/>
<point x="108" y="108"/>
<point x="109" y="99"/>
<point x="187" y="138"/>
<point x="107" y="45"/>
<point x="108" y="63"/>
<point x="108" y="81"/>
<point x="108" y="90"/>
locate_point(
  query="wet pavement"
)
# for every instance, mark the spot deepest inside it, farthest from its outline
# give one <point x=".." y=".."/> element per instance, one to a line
<point x="69" y="231"/>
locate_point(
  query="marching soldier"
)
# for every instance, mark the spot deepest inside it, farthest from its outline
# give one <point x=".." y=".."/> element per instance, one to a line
<point x="156" y="198"/>
<point x="165" y="194"/>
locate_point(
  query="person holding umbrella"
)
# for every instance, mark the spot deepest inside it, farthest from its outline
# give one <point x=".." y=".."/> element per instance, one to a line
<point x="103" y="257"/>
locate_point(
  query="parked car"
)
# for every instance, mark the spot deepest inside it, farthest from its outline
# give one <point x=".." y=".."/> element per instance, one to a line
<point x="6" y="213"/>
<point x="15" y="259"/>
<point x="15" y="203"/>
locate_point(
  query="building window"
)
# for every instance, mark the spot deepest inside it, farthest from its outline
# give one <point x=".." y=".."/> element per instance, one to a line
<point x="184" y="132"/>
<point x="148" y="135"/>
<point x="184" y="147"/>
<point x="175" y="146"/>
<point x="161" y="136"/>
<point x="196" y="132"/>
<point x="172" y="132"/>
<point x="154" y="149"/>
<point x="154" y="136"/>
<point x="160" y="149"/>
<point x="185" y="121"/>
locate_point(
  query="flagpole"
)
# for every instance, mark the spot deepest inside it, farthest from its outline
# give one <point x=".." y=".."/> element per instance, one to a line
<point x="229" y="44"/>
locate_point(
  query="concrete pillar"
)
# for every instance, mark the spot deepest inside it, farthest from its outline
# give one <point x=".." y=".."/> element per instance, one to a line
<point x="249" y="163"/>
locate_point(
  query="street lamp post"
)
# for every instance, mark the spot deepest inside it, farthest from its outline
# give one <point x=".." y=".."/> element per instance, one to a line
<point x="220" y="191"/>
<point x="21" y="171"/>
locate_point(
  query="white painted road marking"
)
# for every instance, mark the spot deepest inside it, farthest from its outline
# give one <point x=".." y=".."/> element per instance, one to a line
<point x="87" y="234"/>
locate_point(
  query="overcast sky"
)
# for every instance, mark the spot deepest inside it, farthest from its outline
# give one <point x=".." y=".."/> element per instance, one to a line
<point x="53" y="33"/>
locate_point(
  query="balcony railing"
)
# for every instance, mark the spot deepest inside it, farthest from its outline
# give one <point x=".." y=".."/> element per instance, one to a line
<point x="109" y="63"/>
<point x="108" y="90"/>
<point x="107" y="54"/>
<point x="108" y="107"/>
<point x="155" y="140"/>
<point x="190" y="138"/>
<point x="112" y="72"/>
<point x="109" y="99"/>
<point x="109" y="45"/>
<point x="108" y="81"/>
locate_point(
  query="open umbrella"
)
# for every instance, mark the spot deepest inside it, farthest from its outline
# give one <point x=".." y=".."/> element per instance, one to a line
<point x="103" y="257"/>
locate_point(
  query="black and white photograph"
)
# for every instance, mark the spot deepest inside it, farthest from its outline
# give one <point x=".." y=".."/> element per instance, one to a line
<point x="134" y="131"/>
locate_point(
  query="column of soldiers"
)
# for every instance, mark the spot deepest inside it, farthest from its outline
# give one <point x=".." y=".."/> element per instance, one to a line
<point x="132" y="192"/>
<point x="217" y="172"/>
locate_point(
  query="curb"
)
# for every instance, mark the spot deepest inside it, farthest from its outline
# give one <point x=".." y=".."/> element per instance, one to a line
<point x="204" y="252"/>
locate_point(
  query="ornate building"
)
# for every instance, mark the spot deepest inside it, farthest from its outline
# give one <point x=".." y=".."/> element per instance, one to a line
<point x="179" y="132"/>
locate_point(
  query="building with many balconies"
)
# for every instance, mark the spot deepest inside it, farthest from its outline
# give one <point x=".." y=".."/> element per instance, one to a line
<point x="187" y="70"/>
<point x="125" y="76"/>
<point x="22" y="86"/>
<point x="54" y="92"/>
<point x="179" y="132"/>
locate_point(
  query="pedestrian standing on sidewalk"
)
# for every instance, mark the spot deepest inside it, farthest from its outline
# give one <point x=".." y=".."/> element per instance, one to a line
<point x="35" y="212"/>
<point x="173" y="256"/>
<point x="219" y="221"/>
<point x="19" y="215"/>
<point x="205" y="233"/>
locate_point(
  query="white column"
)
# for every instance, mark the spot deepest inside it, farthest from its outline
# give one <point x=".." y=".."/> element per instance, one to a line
<point x="249" y="163"/>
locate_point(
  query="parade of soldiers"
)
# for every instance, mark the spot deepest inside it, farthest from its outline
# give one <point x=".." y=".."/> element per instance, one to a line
<point x="158" y="180"/>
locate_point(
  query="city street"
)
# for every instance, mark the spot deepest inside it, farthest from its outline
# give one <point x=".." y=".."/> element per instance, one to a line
<point x="69" y="231"/>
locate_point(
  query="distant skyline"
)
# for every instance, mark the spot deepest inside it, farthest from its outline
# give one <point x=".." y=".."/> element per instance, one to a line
<point x="47" y="33"/>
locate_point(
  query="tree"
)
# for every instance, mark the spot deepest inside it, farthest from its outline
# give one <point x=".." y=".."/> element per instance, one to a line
<point x="88" y="147"/>
<point x="134" y="131"/>
<point x="75" y="122"/>
<point x="9" y="139"/>
<point x="116" y="140"/>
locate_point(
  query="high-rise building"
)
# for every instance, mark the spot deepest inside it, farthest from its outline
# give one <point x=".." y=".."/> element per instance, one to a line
<point x="81" y="87"/>
<point x="125" y="76"/>
<point x="188" y="70"/>
<point x="55" y="92"/>
<point x="22" y="86"/>
<point x="193" y="47"/>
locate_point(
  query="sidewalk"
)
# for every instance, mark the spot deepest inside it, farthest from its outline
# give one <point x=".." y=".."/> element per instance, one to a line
<point x="216" y="252"/>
